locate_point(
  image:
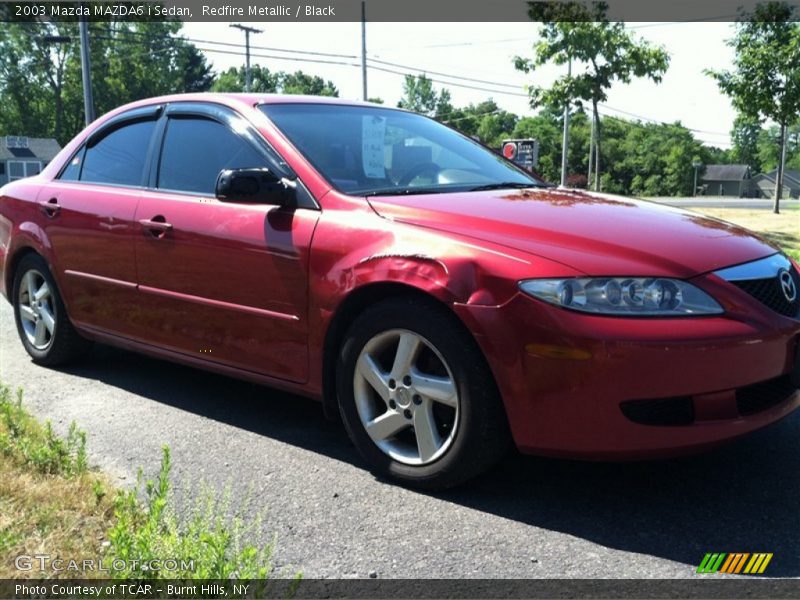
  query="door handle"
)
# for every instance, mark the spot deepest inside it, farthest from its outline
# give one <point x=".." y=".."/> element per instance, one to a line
<point x="50" y="208"/>
<point x="157" y="226"/>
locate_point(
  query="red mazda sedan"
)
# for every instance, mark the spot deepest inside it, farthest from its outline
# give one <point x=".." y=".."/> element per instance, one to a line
<point x="438" y="298"/>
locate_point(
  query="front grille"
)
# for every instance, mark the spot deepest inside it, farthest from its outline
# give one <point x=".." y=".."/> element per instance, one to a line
<point x="663" y="411"/>
<point x="770" y="293"/>
<point x="761" y="396"/>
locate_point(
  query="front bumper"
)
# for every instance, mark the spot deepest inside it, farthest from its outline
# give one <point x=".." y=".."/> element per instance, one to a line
<point x="565" y="377"/>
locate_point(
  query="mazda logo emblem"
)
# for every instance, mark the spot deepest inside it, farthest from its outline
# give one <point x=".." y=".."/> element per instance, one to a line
<point x="788" y="286"/>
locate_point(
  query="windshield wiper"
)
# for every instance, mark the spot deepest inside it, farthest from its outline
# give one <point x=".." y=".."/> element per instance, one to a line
<point x="516" y="185"/>
<point x="400" y="192"/>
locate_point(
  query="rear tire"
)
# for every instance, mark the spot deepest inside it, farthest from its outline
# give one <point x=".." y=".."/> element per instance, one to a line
<point x="417" y="397"/>
<point x="42" y="322"/>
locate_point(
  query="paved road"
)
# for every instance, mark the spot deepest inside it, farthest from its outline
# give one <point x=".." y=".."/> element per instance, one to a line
<point x="527" y="518"/>
<point x="711" y="202"/>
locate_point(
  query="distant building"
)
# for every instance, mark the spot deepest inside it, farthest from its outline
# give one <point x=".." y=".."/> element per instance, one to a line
<point x="727" y="180"/>
<point x="23" y="156"/>
<point x="764" y="184"/>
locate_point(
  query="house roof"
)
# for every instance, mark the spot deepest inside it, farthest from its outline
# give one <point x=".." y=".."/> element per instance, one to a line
<point x="726" y="173"/>
<point x="787" y="174"/>
<point x="45" y="149"/>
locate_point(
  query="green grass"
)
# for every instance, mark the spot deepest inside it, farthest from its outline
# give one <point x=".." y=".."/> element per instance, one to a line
<point x="52" y="503"/>
<point x="782" y="229"/>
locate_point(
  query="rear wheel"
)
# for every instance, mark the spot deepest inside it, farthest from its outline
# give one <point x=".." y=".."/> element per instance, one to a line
<point x="42" y="322"/>
<point x="417" y="397"/>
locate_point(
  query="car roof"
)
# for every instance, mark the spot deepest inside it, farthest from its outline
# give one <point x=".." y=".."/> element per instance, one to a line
<point x="247" y="99"/>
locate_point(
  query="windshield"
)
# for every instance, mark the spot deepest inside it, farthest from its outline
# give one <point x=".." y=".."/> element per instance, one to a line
<point x="366" y="151"/>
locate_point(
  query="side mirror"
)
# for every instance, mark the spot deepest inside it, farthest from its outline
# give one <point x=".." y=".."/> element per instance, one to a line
<point x="257" y="185"/>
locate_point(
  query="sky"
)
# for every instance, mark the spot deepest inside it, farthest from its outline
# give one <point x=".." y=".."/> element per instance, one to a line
<point x="485" y="51"/>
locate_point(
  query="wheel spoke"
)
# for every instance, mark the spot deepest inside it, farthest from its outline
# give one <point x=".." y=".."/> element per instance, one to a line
<point x="26" y="312"/>
<point x="48" y="319"/>
<point x="428" y="439"/>
<point x="40" y="334"/>
<point x="30" y="285"/>
<point x="370" y="371"/>
<point x="386" y="425"/>
<point x="43" y="292"/>
<point x="407" y="350"/>
<point x="438" y="389"/>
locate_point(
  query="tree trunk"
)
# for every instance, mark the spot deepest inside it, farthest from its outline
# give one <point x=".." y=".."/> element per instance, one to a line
<point x="591" y="157"/>
<point x="776" y="207"/>
<point x="596" y="147"/>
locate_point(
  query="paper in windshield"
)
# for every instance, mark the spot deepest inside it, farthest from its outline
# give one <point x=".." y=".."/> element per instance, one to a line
<point x="373" y="135"/>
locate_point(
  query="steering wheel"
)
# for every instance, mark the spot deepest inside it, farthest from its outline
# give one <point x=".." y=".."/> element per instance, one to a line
<point x="417" y="170"/>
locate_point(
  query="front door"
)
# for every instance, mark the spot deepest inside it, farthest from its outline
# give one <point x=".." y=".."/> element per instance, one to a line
<point x="224" y="281"/>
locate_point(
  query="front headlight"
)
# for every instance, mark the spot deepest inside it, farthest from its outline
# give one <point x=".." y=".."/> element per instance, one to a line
<point x="624" y="296"/>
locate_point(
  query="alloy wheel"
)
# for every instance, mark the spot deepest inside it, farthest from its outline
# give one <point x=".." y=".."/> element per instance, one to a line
<point x="36" y="310"/>
<point x="406" y="397"/>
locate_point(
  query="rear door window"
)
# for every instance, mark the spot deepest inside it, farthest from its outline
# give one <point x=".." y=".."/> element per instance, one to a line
<point x="119" y="158"/>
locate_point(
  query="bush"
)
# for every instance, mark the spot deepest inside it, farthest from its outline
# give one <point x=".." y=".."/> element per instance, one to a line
<point x="205" y="544"/>
<point x="29" y="444"/>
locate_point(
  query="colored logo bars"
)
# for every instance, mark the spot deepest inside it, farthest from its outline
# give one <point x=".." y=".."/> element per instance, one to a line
<point x="735" y="563"/>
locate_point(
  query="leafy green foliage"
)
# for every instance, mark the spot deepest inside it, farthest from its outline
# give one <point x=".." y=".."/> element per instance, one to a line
<point x="40" y="73"/>
<point x="644" y="159"/>
<point x="745" y="136"/>
<point x="768" y="147"/>
<point x="206" y="542"/>
<point x="29" y="444"/>
<point x="264" y="81"/>
<point x="420" y="96"/>
<point x="602" y="53"/>
<point x="765" y="80"/>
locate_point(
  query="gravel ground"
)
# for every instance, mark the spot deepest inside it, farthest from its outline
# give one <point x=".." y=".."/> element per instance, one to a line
<point x="529" y="517"/>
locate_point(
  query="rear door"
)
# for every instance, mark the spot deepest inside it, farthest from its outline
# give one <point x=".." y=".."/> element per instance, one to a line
<point x="224" y="281"/>
<point x="89" y="219"/>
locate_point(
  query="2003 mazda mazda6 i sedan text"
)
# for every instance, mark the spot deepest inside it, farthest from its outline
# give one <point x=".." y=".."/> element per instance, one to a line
<point x="441" y="300"/>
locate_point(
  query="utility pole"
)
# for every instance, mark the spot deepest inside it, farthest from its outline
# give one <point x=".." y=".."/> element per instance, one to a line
<point x="247" y="32"/>
<point x="86" y="72"/>
<point x="565" y="144"/>
<point x="591" y="155"/>
<point x="364" y="50"/>
<point x="781" y="169"/>
<point x="696" y="163"/>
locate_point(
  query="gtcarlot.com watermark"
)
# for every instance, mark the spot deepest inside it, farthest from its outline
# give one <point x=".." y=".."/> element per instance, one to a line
<point x="54" y="564"/>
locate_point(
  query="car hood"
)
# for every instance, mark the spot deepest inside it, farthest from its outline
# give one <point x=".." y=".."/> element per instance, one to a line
<point x="596" y="234"/>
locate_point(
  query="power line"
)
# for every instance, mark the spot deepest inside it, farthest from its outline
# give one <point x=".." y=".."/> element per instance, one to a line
<point x="287" y="58"/>
<point x="495" y="83"/>
<point x="231" y="44"/>
<point x="378" y="67"/>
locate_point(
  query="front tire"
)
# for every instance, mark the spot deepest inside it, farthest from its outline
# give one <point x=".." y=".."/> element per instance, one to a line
<point x="417" y="396"/>
<point x="42" y="322"/>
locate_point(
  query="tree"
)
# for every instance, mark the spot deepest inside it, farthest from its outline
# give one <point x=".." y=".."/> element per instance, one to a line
<point x="770" y="148"/>
<point x="765" y="80"/>
<point x="312" y="85"/>
<point x="420" y="96"/>
<point x="485" y="121"/>
<point x="745" y="136"/>
<point x="33" y="78"/>
<point x="40" y="72"/>
<point x="264" y="81"/>
<point x="605" y="52"/>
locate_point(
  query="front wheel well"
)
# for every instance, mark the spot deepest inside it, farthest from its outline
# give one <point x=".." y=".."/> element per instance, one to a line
<point x="347" y="312"/>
